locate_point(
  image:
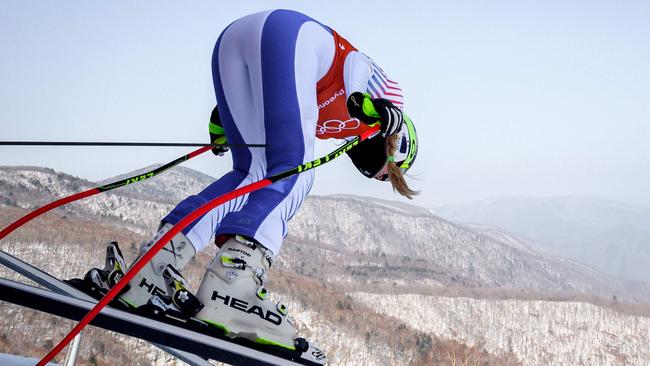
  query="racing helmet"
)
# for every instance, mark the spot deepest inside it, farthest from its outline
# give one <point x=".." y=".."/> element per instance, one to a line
<point x="371" y="159"/>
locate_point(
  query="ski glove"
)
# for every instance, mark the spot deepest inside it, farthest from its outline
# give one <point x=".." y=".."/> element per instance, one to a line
<point x="369" y="110"/>
<point x="217" y="134"/>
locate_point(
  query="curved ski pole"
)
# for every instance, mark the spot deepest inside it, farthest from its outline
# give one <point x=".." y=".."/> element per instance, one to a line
<point x="91" y="192"/>
<point x="188" y="219"/>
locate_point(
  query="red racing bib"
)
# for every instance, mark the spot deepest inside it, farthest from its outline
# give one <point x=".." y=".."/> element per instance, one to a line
<point x="333" y="118"/>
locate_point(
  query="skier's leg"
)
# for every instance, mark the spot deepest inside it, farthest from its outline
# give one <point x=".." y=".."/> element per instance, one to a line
<point x="289" y="67"/>
<point x="286" y="68"/>
<point x="178" y="252"/>
<point x="248" y="167"/>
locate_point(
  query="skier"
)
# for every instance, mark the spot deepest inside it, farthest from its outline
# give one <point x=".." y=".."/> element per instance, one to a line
<point x="282" y="79"/>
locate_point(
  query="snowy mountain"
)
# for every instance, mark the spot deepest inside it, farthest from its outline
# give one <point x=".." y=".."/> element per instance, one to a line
<point x="410" y="244"/>
<point x="537" y="332"/>
<point x="405" y="242"/>
<point x="372" y="281"/>
<point x="169" y="187"/>
<point x="139" y="207"/>
<point x="608" y="235"/>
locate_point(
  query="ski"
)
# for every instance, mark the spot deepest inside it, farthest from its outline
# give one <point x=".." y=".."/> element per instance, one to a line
<point x="56" y="285"/>
<point x="182" y="334"/>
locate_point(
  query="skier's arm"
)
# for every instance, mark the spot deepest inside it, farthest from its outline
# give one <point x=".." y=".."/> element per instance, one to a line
<point x="217" y="134"/>
<point x="357" y="73"/>
<point x="369" y="157"/>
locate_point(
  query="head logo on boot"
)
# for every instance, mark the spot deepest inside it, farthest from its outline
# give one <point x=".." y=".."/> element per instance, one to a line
<point x="242" y="306"/>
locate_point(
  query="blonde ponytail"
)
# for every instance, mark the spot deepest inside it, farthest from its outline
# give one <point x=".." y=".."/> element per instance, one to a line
<point x="395" y="173"/>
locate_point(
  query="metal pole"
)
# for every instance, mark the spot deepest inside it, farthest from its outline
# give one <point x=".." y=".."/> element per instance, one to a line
<point x="71" y="357"/>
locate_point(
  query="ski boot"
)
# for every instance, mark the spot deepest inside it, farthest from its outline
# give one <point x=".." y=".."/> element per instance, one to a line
<point x="236" y="302"/>
<point x="97" y="282"/>
<point x="150" y="280"/>
<point x="180" y="304"/>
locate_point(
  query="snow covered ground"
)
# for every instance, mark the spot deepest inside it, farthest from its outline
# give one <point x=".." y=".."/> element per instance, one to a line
<point x="335" y="249"/>
<point x="537" y="332"/>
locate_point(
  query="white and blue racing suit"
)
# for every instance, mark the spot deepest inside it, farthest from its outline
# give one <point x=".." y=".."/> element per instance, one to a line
<point x="266" y="70"/>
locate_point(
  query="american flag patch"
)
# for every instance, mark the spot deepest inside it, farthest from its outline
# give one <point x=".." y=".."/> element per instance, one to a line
<point x="381" y="86"/>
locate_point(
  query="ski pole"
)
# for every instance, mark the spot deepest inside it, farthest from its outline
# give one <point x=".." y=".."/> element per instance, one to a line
<point x="93" y="191"/>
<point x="189" y="218"/>
<point x="110" y="143"/>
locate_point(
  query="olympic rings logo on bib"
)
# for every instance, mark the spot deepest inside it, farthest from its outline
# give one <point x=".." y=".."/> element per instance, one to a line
<point x="337" y="126"/>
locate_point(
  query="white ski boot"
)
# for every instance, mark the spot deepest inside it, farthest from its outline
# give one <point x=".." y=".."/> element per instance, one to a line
<point x="99" y="281"/>
<point x="235" y="300"/>
<point x="179" y="299"/>
<point x="160" y="277"/>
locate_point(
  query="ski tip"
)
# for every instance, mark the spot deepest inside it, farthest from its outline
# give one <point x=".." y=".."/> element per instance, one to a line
<point x="309" y="352"/>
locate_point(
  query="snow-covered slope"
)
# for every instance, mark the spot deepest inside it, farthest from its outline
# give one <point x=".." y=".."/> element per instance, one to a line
<point x="537" y="332"/>
<point x="365" y="277"/>
<point x="169" y="187"/>
<point x="416" y="238"/>
<point x="139" y="205"/>
<point x="395" y="238"/>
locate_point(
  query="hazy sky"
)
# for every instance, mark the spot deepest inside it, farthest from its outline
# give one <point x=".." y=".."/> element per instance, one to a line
<point x="509" y="97"/>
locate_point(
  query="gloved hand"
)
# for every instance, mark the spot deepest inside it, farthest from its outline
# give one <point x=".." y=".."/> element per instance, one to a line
<point x="217" y="134"/>
<point x="369" y="110"/>
<point x="218" y="139"/>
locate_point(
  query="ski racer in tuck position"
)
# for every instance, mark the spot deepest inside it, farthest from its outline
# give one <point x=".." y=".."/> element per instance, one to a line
<point x="282" y="79"/>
